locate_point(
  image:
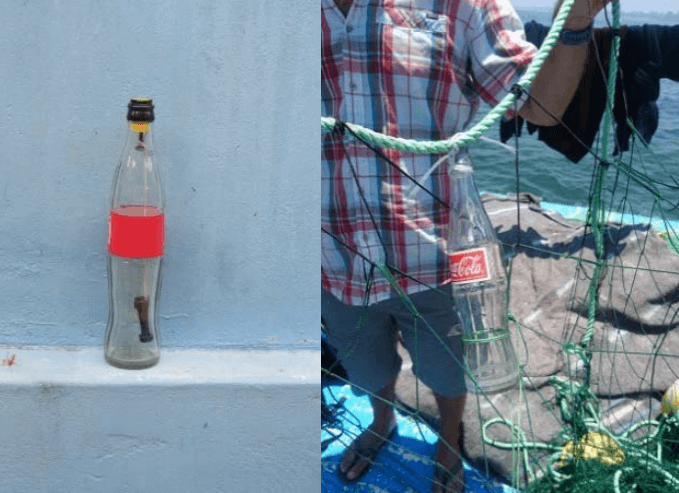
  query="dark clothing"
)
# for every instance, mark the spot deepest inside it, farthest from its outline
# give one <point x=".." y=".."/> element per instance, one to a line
<point x="647" y="54"/>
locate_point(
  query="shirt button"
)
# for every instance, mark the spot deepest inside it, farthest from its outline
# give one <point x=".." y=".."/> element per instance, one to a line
<point x="350" y="28"/>
<point x="352" y="86"/>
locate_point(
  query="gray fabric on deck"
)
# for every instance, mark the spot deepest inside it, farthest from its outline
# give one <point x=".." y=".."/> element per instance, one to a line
<point x="636" y="318"/>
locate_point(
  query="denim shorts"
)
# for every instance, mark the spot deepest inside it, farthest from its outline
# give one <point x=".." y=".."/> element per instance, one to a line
<point x="365" y="338"/>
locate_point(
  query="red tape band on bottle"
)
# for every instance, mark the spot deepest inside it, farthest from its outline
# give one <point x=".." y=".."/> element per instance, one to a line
<point x="136" y="231"/>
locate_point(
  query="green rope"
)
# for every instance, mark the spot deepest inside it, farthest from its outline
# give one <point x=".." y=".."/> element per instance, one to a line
<point x="486" y="336"/>
<point x="399" y="290"/>
<point x="597" y="210"/>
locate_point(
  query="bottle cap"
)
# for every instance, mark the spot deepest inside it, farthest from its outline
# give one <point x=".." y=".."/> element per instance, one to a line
<point x="140" y="110"/>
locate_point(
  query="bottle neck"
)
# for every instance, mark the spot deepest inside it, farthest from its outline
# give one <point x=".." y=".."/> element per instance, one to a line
<point x="139" y="136"/>
<point x="462" y="170"/>
<point x="460" y="164"/>
<point x="137" y="181"/>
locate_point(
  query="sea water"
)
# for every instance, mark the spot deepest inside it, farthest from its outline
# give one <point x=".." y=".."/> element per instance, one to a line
<point x="555" y="179"/>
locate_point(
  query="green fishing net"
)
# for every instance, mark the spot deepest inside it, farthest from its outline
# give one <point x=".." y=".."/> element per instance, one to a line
<point x="596" y="448"/>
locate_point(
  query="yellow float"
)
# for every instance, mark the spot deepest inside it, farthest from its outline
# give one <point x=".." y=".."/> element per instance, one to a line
<point x="593" y="445"/>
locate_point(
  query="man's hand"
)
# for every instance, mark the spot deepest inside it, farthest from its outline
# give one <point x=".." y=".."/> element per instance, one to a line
<point x="582" y="13"/>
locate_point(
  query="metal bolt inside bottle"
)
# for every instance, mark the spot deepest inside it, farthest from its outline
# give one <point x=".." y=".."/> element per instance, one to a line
<point x="141" y="304"/>
<point x="140" y="144"/>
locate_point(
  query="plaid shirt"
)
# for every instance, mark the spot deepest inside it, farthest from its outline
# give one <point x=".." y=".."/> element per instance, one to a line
<point x="415" y="69"/>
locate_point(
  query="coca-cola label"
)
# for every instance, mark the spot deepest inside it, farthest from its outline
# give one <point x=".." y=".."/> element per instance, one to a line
<point x="469" y="266"/>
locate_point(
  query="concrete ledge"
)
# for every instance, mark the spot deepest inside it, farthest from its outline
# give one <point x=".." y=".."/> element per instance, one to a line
<point x="212" y="420"/>
<point x="86" y="366"/>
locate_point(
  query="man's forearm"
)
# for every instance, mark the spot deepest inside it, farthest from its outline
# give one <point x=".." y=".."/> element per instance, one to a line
<point x="559" y="77"/>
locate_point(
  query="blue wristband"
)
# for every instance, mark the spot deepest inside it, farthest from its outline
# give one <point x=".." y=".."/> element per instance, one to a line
<point x="575" y="38"/>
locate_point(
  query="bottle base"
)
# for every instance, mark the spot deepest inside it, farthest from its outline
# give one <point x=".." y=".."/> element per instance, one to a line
<point x="123" y="361"/>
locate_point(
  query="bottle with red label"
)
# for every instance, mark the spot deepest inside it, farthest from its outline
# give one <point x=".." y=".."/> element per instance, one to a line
<point x="479" y="285"/>
<point x="136" y="233"/>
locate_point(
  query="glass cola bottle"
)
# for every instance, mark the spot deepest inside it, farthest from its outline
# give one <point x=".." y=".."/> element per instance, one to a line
<point x="479" y="285"/>
<point x="136" y="232"/>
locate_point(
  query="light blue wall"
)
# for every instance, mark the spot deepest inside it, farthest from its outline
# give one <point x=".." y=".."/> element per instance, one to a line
<point x="236" y="89"/>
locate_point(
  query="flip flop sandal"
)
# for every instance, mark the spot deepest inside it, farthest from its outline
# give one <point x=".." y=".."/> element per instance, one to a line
<point x="452" y="480"/>
<point x="368" y="453"/>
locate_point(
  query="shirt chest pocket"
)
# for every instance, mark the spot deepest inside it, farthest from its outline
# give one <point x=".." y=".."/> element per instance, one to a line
<point x="413" y="44"/>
